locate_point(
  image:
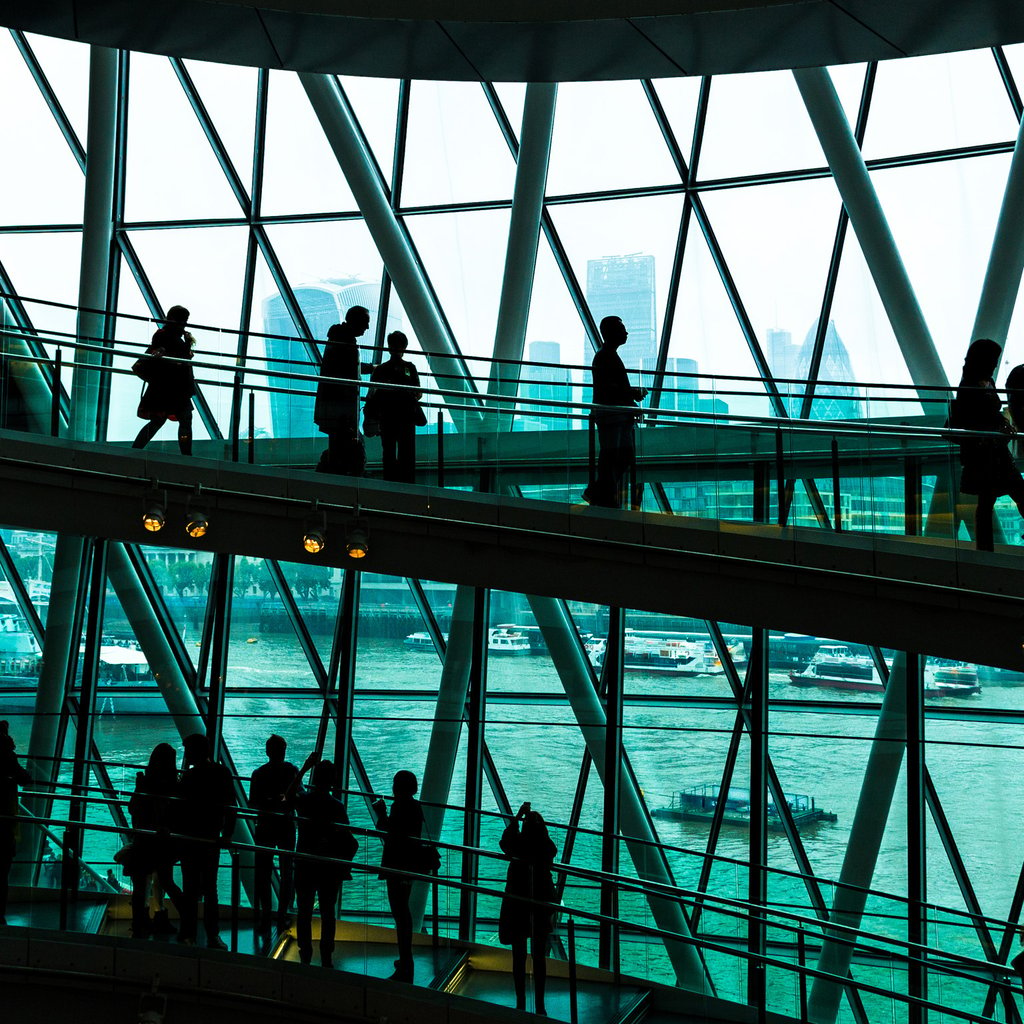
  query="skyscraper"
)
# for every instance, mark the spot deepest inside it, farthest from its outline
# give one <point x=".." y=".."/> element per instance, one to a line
<point x="623" y="286"/>
<point x="544" y="383"/>
<point x="323" y="303"/>
<point x="837" y="401"/>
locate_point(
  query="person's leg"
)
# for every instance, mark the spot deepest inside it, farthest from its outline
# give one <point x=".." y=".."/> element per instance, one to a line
<point x="286" y="842"/>
<point x="389" y="451"/>
<point x="140" y="913"/>
<point x="211" y="910"/>
<point x="305" y="894"/>
<point x="398" y="899"/>
<point x="7" y="845"/>
<point x="983" y="534"/>
<point x="148" y="432"/>
<point x="191" y="875"/>
<point x="405" y="464"/>
<point x="605" y="484"/>
<point x="519" y="971"/>
<point x="327" y="896"/>
<point x="623" y="457"/>
<point x="263" y="867"/>
<point x="185" y="431"/>
<point x="539" y="950"/>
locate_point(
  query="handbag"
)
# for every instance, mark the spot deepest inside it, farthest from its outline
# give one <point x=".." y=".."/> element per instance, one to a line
<point x="419" y="417"/>
<point x="145" y="368"/>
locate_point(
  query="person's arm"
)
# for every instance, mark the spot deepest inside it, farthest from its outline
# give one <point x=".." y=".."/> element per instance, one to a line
<point x="380" y="810"/>
<point x="414" y="380"/>
<point x="230" y="806"/>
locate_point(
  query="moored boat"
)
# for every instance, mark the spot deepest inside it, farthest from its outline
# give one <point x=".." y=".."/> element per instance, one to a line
<point x="836" y="667"/>
<point x="700" y="803"/>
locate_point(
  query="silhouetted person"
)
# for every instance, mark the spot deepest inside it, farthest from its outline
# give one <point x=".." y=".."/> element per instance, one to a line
<point x="398" y="412"/>
<point x="12" y="775"/>
<point x="336" y="412"/>
<point x="988" y="469"/>
<point x="404" y="826"/>
<point x="151" y="809"/>
<point x="615" y="426"/>
<point x="271" y="794"/>
<point x="1015" y="400"/>
<point x="323" y="832"/>
<point x="206" y="810"/>
<point x="531" y="854"/>
<point x="168" y="395"/>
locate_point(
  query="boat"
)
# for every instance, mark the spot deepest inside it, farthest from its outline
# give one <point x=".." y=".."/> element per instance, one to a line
<point x="507" y="640"/>
<point x="700" y="802"/>
<point x="654" y="653"/>
<point x="421" y="642"/>
<point x="951" y="679"/>
<point x="836" y="667"/>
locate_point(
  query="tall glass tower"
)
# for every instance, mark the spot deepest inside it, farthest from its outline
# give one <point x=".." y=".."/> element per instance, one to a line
<point x="323" y="303"/>
<point x="623" y="286"/>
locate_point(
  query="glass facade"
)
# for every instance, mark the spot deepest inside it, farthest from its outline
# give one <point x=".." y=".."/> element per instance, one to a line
<point x="704" y="214"/>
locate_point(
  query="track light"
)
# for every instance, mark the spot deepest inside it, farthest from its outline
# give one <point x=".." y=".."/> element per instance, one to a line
<point x="357" y="539"/>
<point x="155" y="516"/>
<point x="196" y="522"/>
<point x="314" y="540"/>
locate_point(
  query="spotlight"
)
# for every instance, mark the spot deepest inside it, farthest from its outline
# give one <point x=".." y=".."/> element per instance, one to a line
<point x="314" y="540"/>
<point x="154" y="519"/>
<point x="357" y="539"/>
<point x="155" y="516"/>
<point x="196" y="523"/>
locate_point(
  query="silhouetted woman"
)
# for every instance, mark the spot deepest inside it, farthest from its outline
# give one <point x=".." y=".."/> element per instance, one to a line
<point x="988" y="469"/>
<point x="1015" y="400"/>
<point x="12" y="775"/>
<point x="404" y="826"/>
<point x="323" y="832"/>
<point x="150" y="809"/>
<point x="168" y="395"/>
<point x="398" y="412"/>
<point x="531" y="854"/>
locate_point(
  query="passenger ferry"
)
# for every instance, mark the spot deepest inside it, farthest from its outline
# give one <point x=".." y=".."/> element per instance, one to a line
<point x="656" y="654"/>
<point x="700" y="802"/>
<point x="500" y="640"/>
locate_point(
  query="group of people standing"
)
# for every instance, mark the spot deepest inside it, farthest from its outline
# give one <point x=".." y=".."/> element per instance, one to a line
<point x="188" y="817"/>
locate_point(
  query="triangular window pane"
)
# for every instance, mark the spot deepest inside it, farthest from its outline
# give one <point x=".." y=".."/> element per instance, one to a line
<point x="455" y="151"/>
<point x="301" y="172"/>
<point x="606" y="136"/>
<point x="375" y="102"/>
<point x="42" y="183"/>
<point x="679" y="98"/>
<point x="922" y="104"/>
<point x="66" y="66"/>
<point x="229" y="94"/>
<point x="171" y="169"/>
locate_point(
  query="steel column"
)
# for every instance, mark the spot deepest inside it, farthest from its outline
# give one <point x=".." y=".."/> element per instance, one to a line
<point x="757" y="878"/>
<point x="917" y="809"/>
<point x="869" y="222"/>
<point x="220" y="599"/>
<point x="611" y="675"/>
<point x="869" y="821"/>
<point x="476" y="708"/>
<point x="1006" y="260"/>
<point x="523" y="238"/>
<point x="97" y="238"/>
<point x="341" y="674"/>
<point x="648" y="858"/>
<point x="346" y="139"/>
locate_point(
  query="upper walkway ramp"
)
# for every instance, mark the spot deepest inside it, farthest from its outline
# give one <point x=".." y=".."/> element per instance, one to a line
<point x="931" y="596"/>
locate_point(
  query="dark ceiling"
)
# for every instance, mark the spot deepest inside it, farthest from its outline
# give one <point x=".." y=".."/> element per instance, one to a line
<point x="527" y="40"/>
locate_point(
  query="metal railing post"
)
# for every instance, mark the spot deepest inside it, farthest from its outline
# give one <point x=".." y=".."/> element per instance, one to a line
<point x="440" y="448"/>
<point x="801" y="956"/>
<point x="236" y="416"/>
<point x="780" y="476"/>
<point x="591" y="452"/>
<point x="252" y="427"/>
<point x="236" y="898"/>
<point x="913" y="511"/>
<point x="58" y="361"/>
<point x="574" y="1010"/>
<point x="837" y="505"/>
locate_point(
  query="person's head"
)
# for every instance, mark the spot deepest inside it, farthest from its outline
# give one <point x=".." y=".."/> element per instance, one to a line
<point x="404" y="784"/>
<point x="163" y="761"/>
<point x="276" y="748"/>
<point x="397" y="344"/>
<point x="982" y="359"/>
<point x="358" y="319"/>
<point x="197" y="749"/>
<point x="613" y="331"/>
<point x="323" y="775"/>
<point x="178" y="315"/>
<point x="534" y="826"/>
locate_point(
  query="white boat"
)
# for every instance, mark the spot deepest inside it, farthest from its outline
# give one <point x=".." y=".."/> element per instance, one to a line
<point x="951" y="678"/>
<point x="507" y="640"/>
<point x="646" y="653"/>
<point x="421" y="641"/>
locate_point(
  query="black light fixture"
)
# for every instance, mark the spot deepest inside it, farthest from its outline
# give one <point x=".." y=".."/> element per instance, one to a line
<point x="155" y="516"/>
<point x="314" y="540"/>
<point x="196" y="521"/>
<point x="357" y="537"/>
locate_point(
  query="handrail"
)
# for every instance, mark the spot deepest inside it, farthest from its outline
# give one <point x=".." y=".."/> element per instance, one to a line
<point x="936" y="961"/>
<point x="235" y="333"/>
<point x="599" y="876"/>
<point x="565" y="409"/>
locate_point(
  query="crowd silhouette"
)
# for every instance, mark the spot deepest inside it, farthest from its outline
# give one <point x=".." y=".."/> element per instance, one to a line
<point x="185" y="818"/>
